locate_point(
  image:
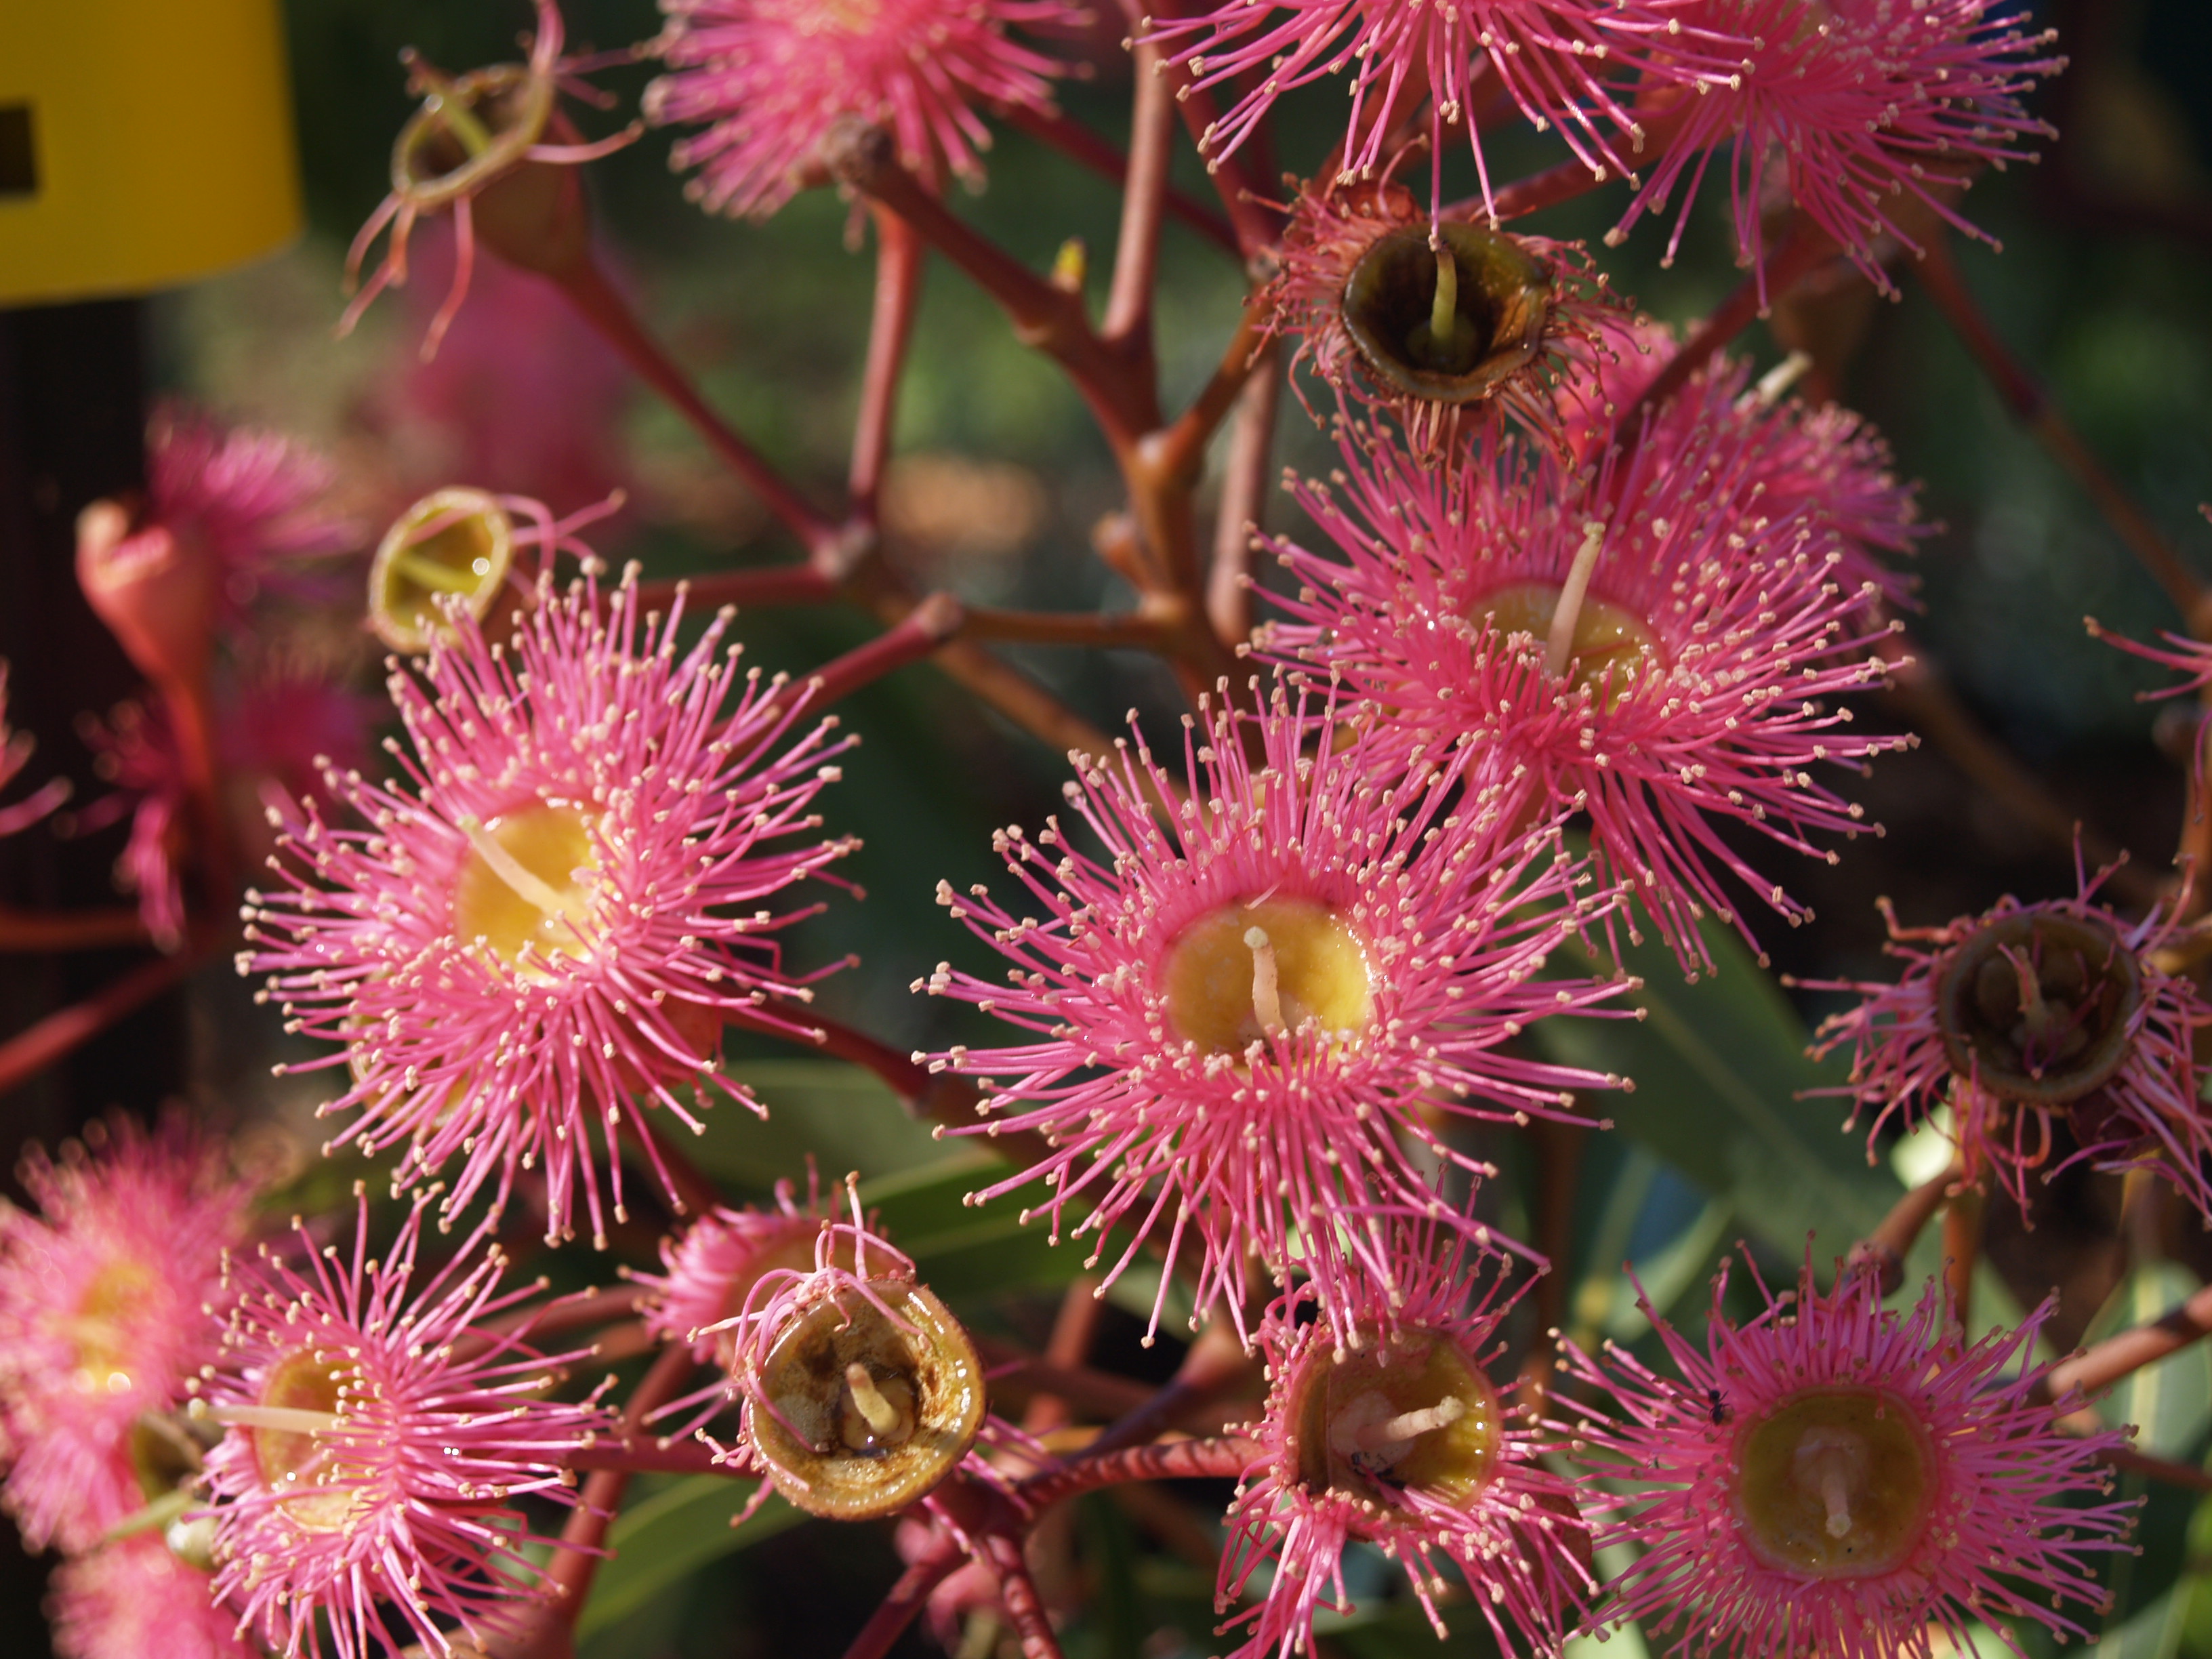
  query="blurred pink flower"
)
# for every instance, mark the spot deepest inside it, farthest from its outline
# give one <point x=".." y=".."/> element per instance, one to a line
<point x="134" y="1599"/>
<point x="1242" y="1013"/>
<point x="378" y="1434"/>
<point x="1832" y="1477"/>
<point x="110" y="1300"/>
<point x="770" y="77"/>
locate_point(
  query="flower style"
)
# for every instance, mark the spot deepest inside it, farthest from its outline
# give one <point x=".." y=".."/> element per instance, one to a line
<point x="1434" y="322"/>
<point x="1399" y="1439"/>
<point x="560" y="903"/>
<point x="2026" y="1017"/>
<point x="1836" y="1478"/>
<point x="1552" y="57"/>
<point x="1638" y="641"/>
<point x="134" y="1598"/>
<point x="770" y="77"/>
<point x="1245" y="1011"/>
<point x="1854" y="102"/>
<point x="104" y="1315"/>
<point x="377" y="1434"/>
<point x="15" y="748"/>
<point x="484" y="147"/>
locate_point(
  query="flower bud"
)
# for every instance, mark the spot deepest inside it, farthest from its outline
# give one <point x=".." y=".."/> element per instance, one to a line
<point x="156" y="592"/>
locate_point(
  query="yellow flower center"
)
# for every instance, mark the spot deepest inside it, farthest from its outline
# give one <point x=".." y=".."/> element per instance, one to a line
<point x="519" y="889"/>
<point x="100" y="1329"/>
<point x="292" y="1429"/>
<point x="1253" y="971"/>
<point x="1417" y="1413"/>
<point x="1607" y="638"/>
<point x="1834" y="1484"/>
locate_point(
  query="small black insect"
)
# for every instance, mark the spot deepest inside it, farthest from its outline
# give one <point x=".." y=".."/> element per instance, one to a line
<point x="1719" y="1409"/>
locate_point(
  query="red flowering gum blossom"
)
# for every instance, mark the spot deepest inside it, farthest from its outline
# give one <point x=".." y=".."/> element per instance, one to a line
<point x="768" y="78"/>
<point x="1854" y="104"/>
<point x="105" y="1313"/>
<point x="377" y="1435"/>
<point x="1833" y="1477"/>
<point x="1242" y="1005"/>
<point x="1400" y="1440"/>
<point x="2028" y="1018"/>
<point x="134" y="1598"/>
<point x="1639" y="641"/>
<point x="559" y="904"/>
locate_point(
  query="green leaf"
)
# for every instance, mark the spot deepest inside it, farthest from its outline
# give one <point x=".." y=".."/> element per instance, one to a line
<point x="844" y="1116"/>
<point x="671" y="1533"/>
<point x="1721" y="1081"/>
<point x="962" y="1249"/>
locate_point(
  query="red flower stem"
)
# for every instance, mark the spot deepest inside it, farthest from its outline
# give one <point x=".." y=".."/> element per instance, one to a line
<point x="34" y="1048"/>
<point x="1017" y="1594"/>
<point x="899" y="253"/>
<point x="1141" y="629"/>
<point x="2121" y="1356"/>
<point x="2128" y="1461"/>
<point x="1127" y="327"/>
<point x="2033" y="407"/>
<point x="1177" y="455"/>
<point x="1241" y="180"/>
<point x="1243" y="501"/>
<point x="1963" y="1215"/>
<point x="1223" y="1457"/>
<point x="1215" y="1366"/>
<point x="648" y="1454"/>
<point x="588" y="289"/>
<point x="1051" y="319"/>
<point x="919" y="632"/>
<point x="68" y="930"/>
<point x="1086" y="149"/>
<point x="1884" y="1249"/>
<point x="780" y="583"/>
<point x="1022" y="701"/>
<point x="583" y="1538"/>
<point x="1804" y="248"/>
<point x="906" y="1599"/>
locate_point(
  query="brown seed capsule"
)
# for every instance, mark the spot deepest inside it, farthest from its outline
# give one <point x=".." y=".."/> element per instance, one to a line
<point x="2040" y="1008"/>
<point x="1447" y="322"/>
<point x="858" y="1411"/>
<point x="453" y="541"/>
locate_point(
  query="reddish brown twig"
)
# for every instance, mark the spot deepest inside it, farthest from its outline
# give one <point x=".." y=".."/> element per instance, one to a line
<point x="1243" y="501"/>
<point x="2121" y="1356"/>
<point x="912" y="637"/>
<point x="648" y="1454"/>
<point x="780" y="583"/>
<point x="1963" y="1213"/>
<point x="899" y="253"/>
<point x="1127" y="325"/>
<point x="34" y="1048"/>
<point x="1086" y="147"/>
<point x="1883" y="1250"/>
<point x="1017" y="1594"/>
<point x="906" y="1599"/>
<point x="2033" y="407"/>
<point x="68" y="930"/>
<point x="1223" y="1457"/>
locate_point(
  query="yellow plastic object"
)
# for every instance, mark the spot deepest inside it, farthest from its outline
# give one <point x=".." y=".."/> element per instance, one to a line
<point x="142" y="143"/>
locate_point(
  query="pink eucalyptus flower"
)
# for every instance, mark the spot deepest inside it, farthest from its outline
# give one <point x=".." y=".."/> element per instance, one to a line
<point x="1830" y="1477"/>
<point x="770" y="77"/>
<point x="1243" y="1009"/>
<point x="136" y="749"/>
<point x="1569" y="63"/>
<point x="1856" y="103"/>
<point x="2028" y="1018"/>
<point x="713" y="1268"/>
<point x="134" y="1599"/>
<point x="105" y="1312"/>
<point x="378" y="1434"/>
<point x="560" y="904"/>
<point x="494" y="148"/>
<point x="1399" y="1439"/>
<point x="1531" y="320"/>
<point x="15" y="748"/>
<point x="1638" y="642"/>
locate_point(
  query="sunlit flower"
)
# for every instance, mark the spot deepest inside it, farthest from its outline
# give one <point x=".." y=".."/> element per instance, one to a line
<point x="1637" y="641"/>
<point x="1829" y="1477"/>
<point x="1245" y="1011"/>
<point x="378" y="1432"/>
<point x="104" y="1312"/>
<point x="135" y="1598"/>
<point x="2028" y="1018"/>
<point x="1857" y="103"/>
<point x="562" y="902"/>
<point x="768" y="78"/>
<point x="1438" y="324"/>
<point x="1570" y="63"/>
<point x="1402" y="1441"/>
